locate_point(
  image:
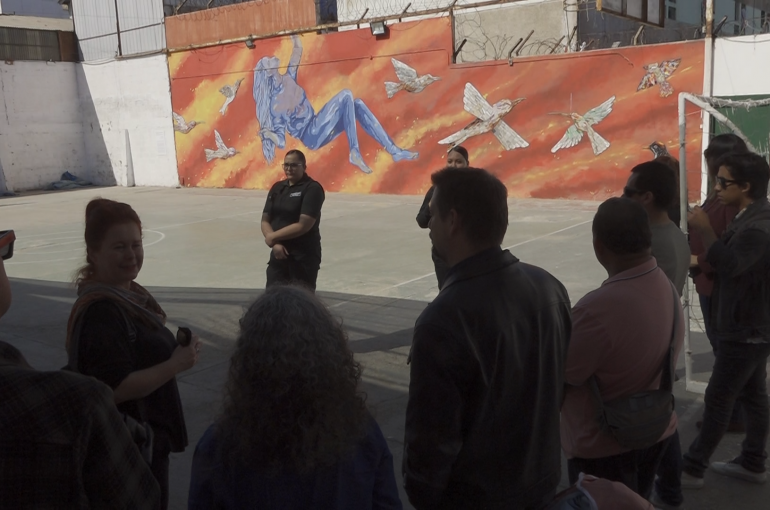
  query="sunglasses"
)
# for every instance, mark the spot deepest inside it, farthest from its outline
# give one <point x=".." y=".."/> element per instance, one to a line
<point x="629" y="192"/>
<point x="724" y="183"/>
<point x="288" y="166"/>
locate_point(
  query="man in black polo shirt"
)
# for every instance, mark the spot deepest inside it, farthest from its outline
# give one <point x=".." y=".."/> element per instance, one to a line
<point x="290" y="223"/>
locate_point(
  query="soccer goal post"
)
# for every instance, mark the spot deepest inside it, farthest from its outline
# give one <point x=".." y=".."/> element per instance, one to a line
<point x="710" y="105"/>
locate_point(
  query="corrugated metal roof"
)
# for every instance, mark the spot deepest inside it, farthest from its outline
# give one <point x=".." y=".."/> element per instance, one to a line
<point x="141" y="27"/>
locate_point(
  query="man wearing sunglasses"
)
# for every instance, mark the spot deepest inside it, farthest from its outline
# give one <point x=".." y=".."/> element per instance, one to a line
<point x="653" y="185"/>
<point x="740" y="319"/>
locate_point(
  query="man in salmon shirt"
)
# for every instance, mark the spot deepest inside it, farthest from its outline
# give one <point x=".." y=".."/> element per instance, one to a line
<point x="615" y="340"/>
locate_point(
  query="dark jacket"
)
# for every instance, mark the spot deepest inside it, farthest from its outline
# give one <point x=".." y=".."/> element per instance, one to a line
<point x="362" y="480"/>
<point x="487" y="376"/>
<point x="740" y="304"/>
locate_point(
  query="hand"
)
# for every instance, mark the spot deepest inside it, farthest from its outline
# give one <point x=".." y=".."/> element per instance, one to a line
<point x="694" y="261"/>
<point x="280" y="252"/>
<point x="697" y="218"/>
<point x="184" y="358"/>
<point x="269" y="135"/>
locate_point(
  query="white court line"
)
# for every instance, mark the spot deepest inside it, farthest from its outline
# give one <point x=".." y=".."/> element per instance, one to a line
<point x="433" y="273"/>
<point x="48" y="261"/>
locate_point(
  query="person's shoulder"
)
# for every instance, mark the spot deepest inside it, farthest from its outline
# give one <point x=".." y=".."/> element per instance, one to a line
<point x="313" y="184"/>
<point x="546" y="283"/>
<point x="75" y="389"/>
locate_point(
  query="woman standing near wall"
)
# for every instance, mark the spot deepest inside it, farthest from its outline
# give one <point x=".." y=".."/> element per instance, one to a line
<point x="290" y="224"/>
<point x="457" y="157"/>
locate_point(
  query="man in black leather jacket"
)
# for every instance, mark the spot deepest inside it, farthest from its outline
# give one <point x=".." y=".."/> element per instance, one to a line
<point x="487" y="363"/>
<point x="740" y="319"/>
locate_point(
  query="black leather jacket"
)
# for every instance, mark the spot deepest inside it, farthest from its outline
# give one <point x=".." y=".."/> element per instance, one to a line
<point x="487" y="375"/>
<point x="740" y="304"/>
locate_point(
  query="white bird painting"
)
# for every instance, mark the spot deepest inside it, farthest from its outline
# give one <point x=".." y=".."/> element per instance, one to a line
<point x="229" y="91"/>
<point x="584" y="124"/>
<point x="182" y="125"/>
<point x="221" y="152"/>
<point x="488" y="118"/>
<point x="408" y="80"/>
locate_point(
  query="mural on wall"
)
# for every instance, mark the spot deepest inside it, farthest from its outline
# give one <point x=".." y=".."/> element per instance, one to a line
<point x="658" y="74"/>
<point x="488" y="118"/>
<point x="584" y="124"/>
<point x="525" y="122"/>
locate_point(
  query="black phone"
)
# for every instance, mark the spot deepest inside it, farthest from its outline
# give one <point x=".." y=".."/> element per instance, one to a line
<point x="7" y="238"/>
<point x="184" y="336"/>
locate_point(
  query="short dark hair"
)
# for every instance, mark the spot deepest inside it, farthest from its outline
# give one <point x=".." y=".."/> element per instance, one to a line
<point x="462" y="151"/>
<point x="658" y="179"/>
<point x="622" y="226"/>
<point x="748" y="168"/>
<point x="479" y="198"/>
<point x="300" y="156"/>
<point x="721" y="145"/>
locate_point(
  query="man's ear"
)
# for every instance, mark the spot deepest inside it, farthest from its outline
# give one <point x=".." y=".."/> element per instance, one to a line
<point x="745" y="187"/>
<point x="647" y="198"/>
<point x="454" y="221"/>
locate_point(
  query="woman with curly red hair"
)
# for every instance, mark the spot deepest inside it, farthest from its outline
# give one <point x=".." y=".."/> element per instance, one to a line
<point x="117" y="333"/>
<point x="295" y="431"/>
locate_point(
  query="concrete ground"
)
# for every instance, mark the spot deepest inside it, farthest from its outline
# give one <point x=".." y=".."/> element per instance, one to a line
<point x="205" y="261"/>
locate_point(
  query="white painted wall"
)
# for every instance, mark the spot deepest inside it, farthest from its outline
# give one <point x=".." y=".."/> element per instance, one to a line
<point x="95" y="121"/>
<point x="127" y="106"/>
<point x="741" y="65"/>
<point x="41" y="133"/>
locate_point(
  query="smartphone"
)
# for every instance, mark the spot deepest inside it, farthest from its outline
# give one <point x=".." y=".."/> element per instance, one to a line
<point x="7" y="238"/>
<point x="184" y="336"/>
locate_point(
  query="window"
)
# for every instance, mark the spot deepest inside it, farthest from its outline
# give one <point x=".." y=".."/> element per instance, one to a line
<point x="671" y="12"/>
<point x="26" y="44"/>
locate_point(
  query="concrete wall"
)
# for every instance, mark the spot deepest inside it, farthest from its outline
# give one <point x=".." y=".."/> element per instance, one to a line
<point x="95" y="121"/>
<point x="490" y="33"/>
<point x="741" y="66"/>
<point x="127" y="119"/>
<point x="44" y="8"/>
<point x="41" y="133"/>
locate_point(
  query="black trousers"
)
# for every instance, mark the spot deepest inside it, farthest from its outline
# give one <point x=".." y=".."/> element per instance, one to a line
<point x="635" y="469"/>
<point x="159" y="468"/>
<point x="739" y="373"/>
<point x="303" y="271"/>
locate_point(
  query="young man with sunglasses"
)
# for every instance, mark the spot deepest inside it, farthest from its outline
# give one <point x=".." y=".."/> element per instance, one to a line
<point x="739" y="318"/>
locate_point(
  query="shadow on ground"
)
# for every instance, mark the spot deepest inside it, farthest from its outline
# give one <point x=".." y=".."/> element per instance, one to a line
<point x="380" y="332"/>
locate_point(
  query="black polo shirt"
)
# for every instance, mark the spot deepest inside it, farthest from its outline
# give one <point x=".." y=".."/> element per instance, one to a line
<point x="285" y="203"/>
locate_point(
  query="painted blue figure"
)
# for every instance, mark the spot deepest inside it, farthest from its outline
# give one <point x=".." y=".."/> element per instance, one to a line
<point x="283" y="106"/>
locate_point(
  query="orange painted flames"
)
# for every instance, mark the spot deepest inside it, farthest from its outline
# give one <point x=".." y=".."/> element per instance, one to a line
<point x="357" y="61"/>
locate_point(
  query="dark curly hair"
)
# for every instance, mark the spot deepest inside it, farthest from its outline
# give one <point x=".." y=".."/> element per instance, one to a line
<point x="292" y="398"/>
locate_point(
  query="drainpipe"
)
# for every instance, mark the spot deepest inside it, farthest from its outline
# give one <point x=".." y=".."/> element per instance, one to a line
<point x="708" y="89"/>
